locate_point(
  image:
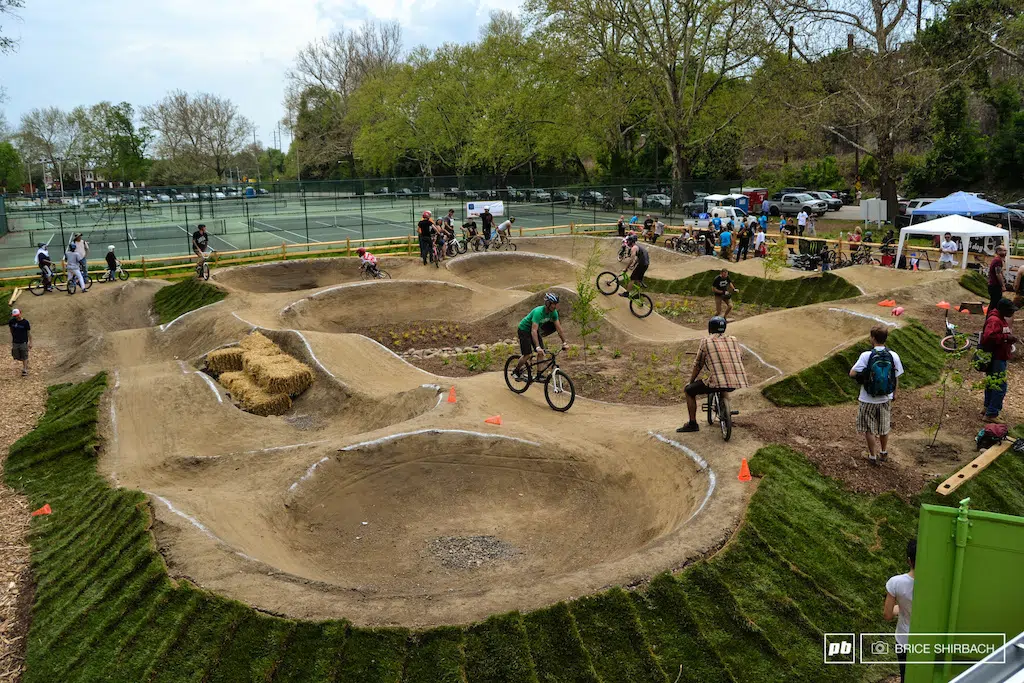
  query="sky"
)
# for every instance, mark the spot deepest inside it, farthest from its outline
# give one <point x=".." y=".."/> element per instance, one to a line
<point x="74" y="53"/>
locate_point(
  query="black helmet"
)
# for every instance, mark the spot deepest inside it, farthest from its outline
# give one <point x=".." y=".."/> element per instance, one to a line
<point x="717" y="325"/>
<point x="631" y="239"/>
<point x="1006" y="307"/>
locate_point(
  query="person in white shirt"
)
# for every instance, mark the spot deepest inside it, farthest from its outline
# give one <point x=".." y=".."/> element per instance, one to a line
<point x="801" y="222"/>
<point x="877" y="371"/>
<point x="949" y="250"/>
<point x="899" y="599"/>
<point x="759" y="241"/>
<point x="504" y="229"/>
<point x="659" y="230"/>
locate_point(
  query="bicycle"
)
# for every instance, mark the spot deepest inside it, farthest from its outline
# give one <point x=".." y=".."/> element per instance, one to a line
<point x="718" y="409"/>
<point x="640" y="304"/>
<point x="455" y="246"/>
<point x="203" y="267"/>
<point x="557" y="385"/>
<point x="57" y="282"/>
<point x="862" y="256"/>
<point x="957" y="342"/>
<point x="71" y="283"/>
<point x="376" y="274"/>
<point x="119" y="273"/>
<point x="500" y="242"/>
<point x="684" y="245"/>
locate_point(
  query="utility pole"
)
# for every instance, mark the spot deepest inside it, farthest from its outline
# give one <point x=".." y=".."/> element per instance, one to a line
<point x="256" y="153"/>
<point x="81" y="185"/>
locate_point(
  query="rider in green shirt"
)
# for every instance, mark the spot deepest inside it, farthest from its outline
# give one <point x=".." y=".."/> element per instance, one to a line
<point x="537" y="324"/>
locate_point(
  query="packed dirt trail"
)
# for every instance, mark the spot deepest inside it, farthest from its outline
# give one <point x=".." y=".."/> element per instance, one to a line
<point x="359" y="501"/>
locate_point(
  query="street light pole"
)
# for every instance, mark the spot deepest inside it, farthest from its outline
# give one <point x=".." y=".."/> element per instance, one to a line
<point x="81" y="185"/>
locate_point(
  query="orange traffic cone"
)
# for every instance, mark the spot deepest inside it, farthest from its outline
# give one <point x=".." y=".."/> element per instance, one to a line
<point x="744" y="471"/>
<point x="943" y="304"/>
<point x="496" y="420"/>
<point x="451" y="395"/>
<point x="984" y="309"/>
<point x="964" y="310"/>
<point x="45" y="510"/>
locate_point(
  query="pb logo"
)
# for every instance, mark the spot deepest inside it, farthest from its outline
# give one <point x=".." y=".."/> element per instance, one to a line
<point x="839" y="648"/>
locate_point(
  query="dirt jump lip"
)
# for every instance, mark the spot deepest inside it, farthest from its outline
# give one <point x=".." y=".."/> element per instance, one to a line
<point x="461" y="523"/>
<point x="509" y="270"/>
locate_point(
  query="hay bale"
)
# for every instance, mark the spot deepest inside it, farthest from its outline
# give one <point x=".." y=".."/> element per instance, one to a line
<point x="259" y="344"/>
<point x="280" y="374"/>
<point x="252" y="398"/>
<point x="224" y="360"/>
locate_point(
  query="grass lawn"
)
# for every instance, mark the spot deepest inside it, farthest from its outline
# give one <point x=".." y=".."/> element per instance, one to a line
<point x="811" y="557"/>
<point x="760" y="291"/>
<point x="829" y="382"/>
<point x="187" y="295"/>
<point x="975" y="282"/>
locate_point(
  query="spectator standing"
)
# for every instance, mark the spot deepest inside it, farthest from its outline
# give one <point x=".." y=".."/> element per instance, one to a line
<point x="949" y="250"/>
<point x="621" y="226"/>
<point x="21" y="339"/>
<point x="996" y="277"/>
<point x="759" y="247"/>
<point x="709" y="242"/>
<point x="487" y="224"/>
<point x="82" y="249"/>
<point x="725" y="239"/>
<point x="743" y="241"/>
<point x="762" y="220"/>
<point x="648" y="227"/>
<point x="997" y="338"/>
<point x="899" y="599"/>
<point x="783" y="226"/>
<point x="812" y="226"/>
<point x="659" y="230"/>
<point x="425" y="231"/>
<point x="801" y="222"/>
<point x="878" y="372"/>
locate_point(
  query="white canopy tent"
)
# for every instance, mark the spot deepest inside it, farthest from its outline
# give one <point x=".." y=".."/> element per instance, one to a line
<point x="957" y="226"/>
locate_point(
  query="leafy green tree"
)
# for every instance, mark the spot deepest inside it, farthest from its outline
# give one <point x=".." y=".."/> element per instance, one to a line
<point x="11" y="168"/>
<point x="115" y="144"/>
<point x="956" y="159"/>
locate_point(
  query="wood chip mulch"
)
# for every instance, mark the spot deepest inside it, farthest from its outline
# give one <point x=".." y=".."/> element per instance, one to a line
<point x="22" y="400"/>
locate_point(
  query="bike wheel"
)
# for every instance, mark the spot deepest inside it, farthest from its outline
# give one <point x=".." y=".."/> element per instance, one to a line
<point x="461" y="246"/>
<point x="955" y="343"/>
<point x="364" y="274"/>
<point x="526" y="378"/>
<point x="512" y="246"/>
<point x="36" y="287"/>
<point x="206" y="271"/>
<point x="607" y="283"/>
<point x="59" y="281"/>
<point x="383" y="274"/>
<point x="641" y="305"/>
<point x="712" y="408"/>
<point x="72" y="285"/>
<point x="559" y="391"/>
<point x="88" y="281"/>
<point x="725" y="416"/>
<point x="123" y="275"/>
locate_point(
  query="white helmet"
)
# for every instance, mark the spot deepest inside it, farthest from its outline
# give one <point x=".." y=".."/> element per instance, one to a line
<point x="110" y="248"/>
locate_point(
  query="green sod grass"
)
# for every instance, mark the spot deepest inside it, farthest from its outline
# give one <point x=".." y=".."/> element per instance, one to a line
<point x="756" y="290"/>
<point x="829" y="382"/>
<point x="188" y="295"/>
<point x="810" y="558"/>
<point x="975" y="282"/>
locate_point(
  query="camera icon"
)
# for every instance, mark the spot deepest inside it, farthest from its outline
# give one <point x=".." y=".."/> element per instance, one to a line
<point x="879" y="648"/>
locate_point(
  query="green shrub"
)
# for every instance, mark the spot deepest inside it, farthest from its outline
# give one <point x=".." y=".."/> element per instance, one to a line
<point x="975" y="282"/>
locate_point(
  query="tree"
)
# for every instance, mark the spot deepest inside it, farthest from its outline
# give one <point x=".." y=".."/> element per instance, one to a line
<point x="585" y="311"/>
<point x="687" y="57"/>
<point x="956" y="158"/>
<point x="9" y="8"/>
<point x="116" y="146"/>
<point x="54" y="136"/>
<point x="11" y="167"/>
<point x="199" y="134"/>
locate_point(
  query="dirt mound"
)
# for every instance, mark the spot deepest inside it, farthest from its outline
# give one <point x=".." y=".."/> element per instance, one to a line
<point x="510" y="270"/>
<point x="346" y="307"/>
<point x="291" y="276"/>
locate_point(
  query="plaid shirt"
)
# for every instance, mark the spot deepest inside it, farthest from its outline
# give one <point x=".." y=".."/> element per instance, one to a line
<point x="721" y="357"/>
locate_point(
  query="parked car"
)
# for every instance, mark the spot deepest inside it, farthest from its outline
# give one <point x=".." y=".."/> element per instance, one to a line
<point x="405" y="192"/>
<point x="590" y="197"/>
<point x="794" y="203"/>
<point x="514" y="195"/>
<point x="842" y="195"/>
<point x="906" y="213"/>
<point x="560" y="196"/>
<point x="539" y="195"/>
<point x="163" y="197"/>
<point x="658" y="201"/>
<point x="728" y="212"/>
<point x="219" y="195"/>
<point x="147" y="198"/>
<point x="262" y="191"/>
<point x="834" y="203"/>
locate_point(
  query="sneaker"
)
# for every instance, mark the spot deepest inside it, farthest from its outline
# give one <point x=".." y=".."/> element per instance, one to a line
<point x="883" y="456"/>
<point x="24" y="373"/>
<point x="624" y="294"/>
<point x="873" y="460"/>
<point x="688" y="427"/>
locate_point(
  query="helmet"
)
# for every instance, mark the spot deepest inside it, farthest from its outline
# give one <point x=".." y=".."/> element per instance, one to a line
<point x="360" y="251"/>
<point x="551" y="298"/>
<point x="717" y="325"/>
<point x="631" y="239"/>
<point x="511" y="219"/>
<point x="42" y="245"/>
<point x="426" y="214"/>
<point x="110" y="248"/>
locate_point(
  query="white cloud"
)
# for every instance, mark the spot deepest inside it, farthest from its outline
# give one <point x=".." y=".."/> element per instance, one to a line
<point x="75" y="53"/>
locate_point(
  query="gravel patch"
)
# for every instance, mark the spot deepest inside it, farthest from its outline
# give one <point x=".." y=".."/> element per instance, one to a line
<point x="471" y="552"/>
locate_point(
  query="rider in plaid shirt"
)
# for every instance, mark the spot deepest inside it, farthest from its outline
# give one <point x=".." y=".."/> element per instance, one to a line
<point x="720" y="357"/>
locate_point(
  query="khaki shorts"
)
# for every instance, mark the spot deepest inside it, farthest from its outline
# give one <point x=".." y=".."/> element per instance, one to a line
<point x="874" y="418"/>
<point x="19" y="351"/>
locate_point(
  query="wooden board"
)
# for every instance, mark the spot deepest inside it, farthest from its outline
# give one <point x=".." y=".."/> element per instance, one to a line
<point x="14" y="295"/>
<point x="972" y="468"/>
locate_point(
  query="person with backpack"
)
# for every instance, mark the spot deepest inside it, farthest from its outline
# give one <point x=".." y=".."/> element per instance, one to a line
<point x="877" y="371"/>
<point x="997" y="338"/>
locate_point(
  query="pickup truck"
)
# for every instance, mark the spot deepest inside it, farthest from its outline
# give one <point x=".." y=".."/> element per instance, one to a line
<point x="792" y="204"/>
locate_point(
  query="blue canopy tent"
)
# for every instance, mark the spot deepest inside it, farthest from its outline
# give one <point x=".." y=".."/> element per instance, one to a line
<point x="960" y="204"/>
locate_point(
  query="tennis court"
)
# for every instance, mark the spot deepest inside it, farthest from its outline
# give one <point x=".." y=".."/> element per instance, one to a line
<point x="167" y="230"/>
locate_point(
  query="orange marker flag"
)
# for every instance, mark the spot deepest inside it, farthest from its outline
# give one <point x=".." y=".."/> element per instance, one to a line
<point x="943" y="304"/>
<point x="451" y="395"/>
<point x="744" y="471"/>
<point x="496" y="420"/>
<point x="45" y="510"/>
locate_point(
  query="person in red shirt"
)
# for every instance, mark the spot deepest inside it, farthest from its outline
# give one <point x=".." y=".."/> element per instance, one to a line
<point x="996" y="277"/>
<point x="998" y="339"/>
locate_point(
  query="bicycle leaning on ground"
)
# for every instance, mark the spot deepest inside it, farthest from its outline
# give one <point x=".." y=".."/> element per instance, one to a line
<point x="559" y="391"/>
<point x="640" y="304"/>
<point x="682" y="244"/>
<point x="955" y="341"/>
